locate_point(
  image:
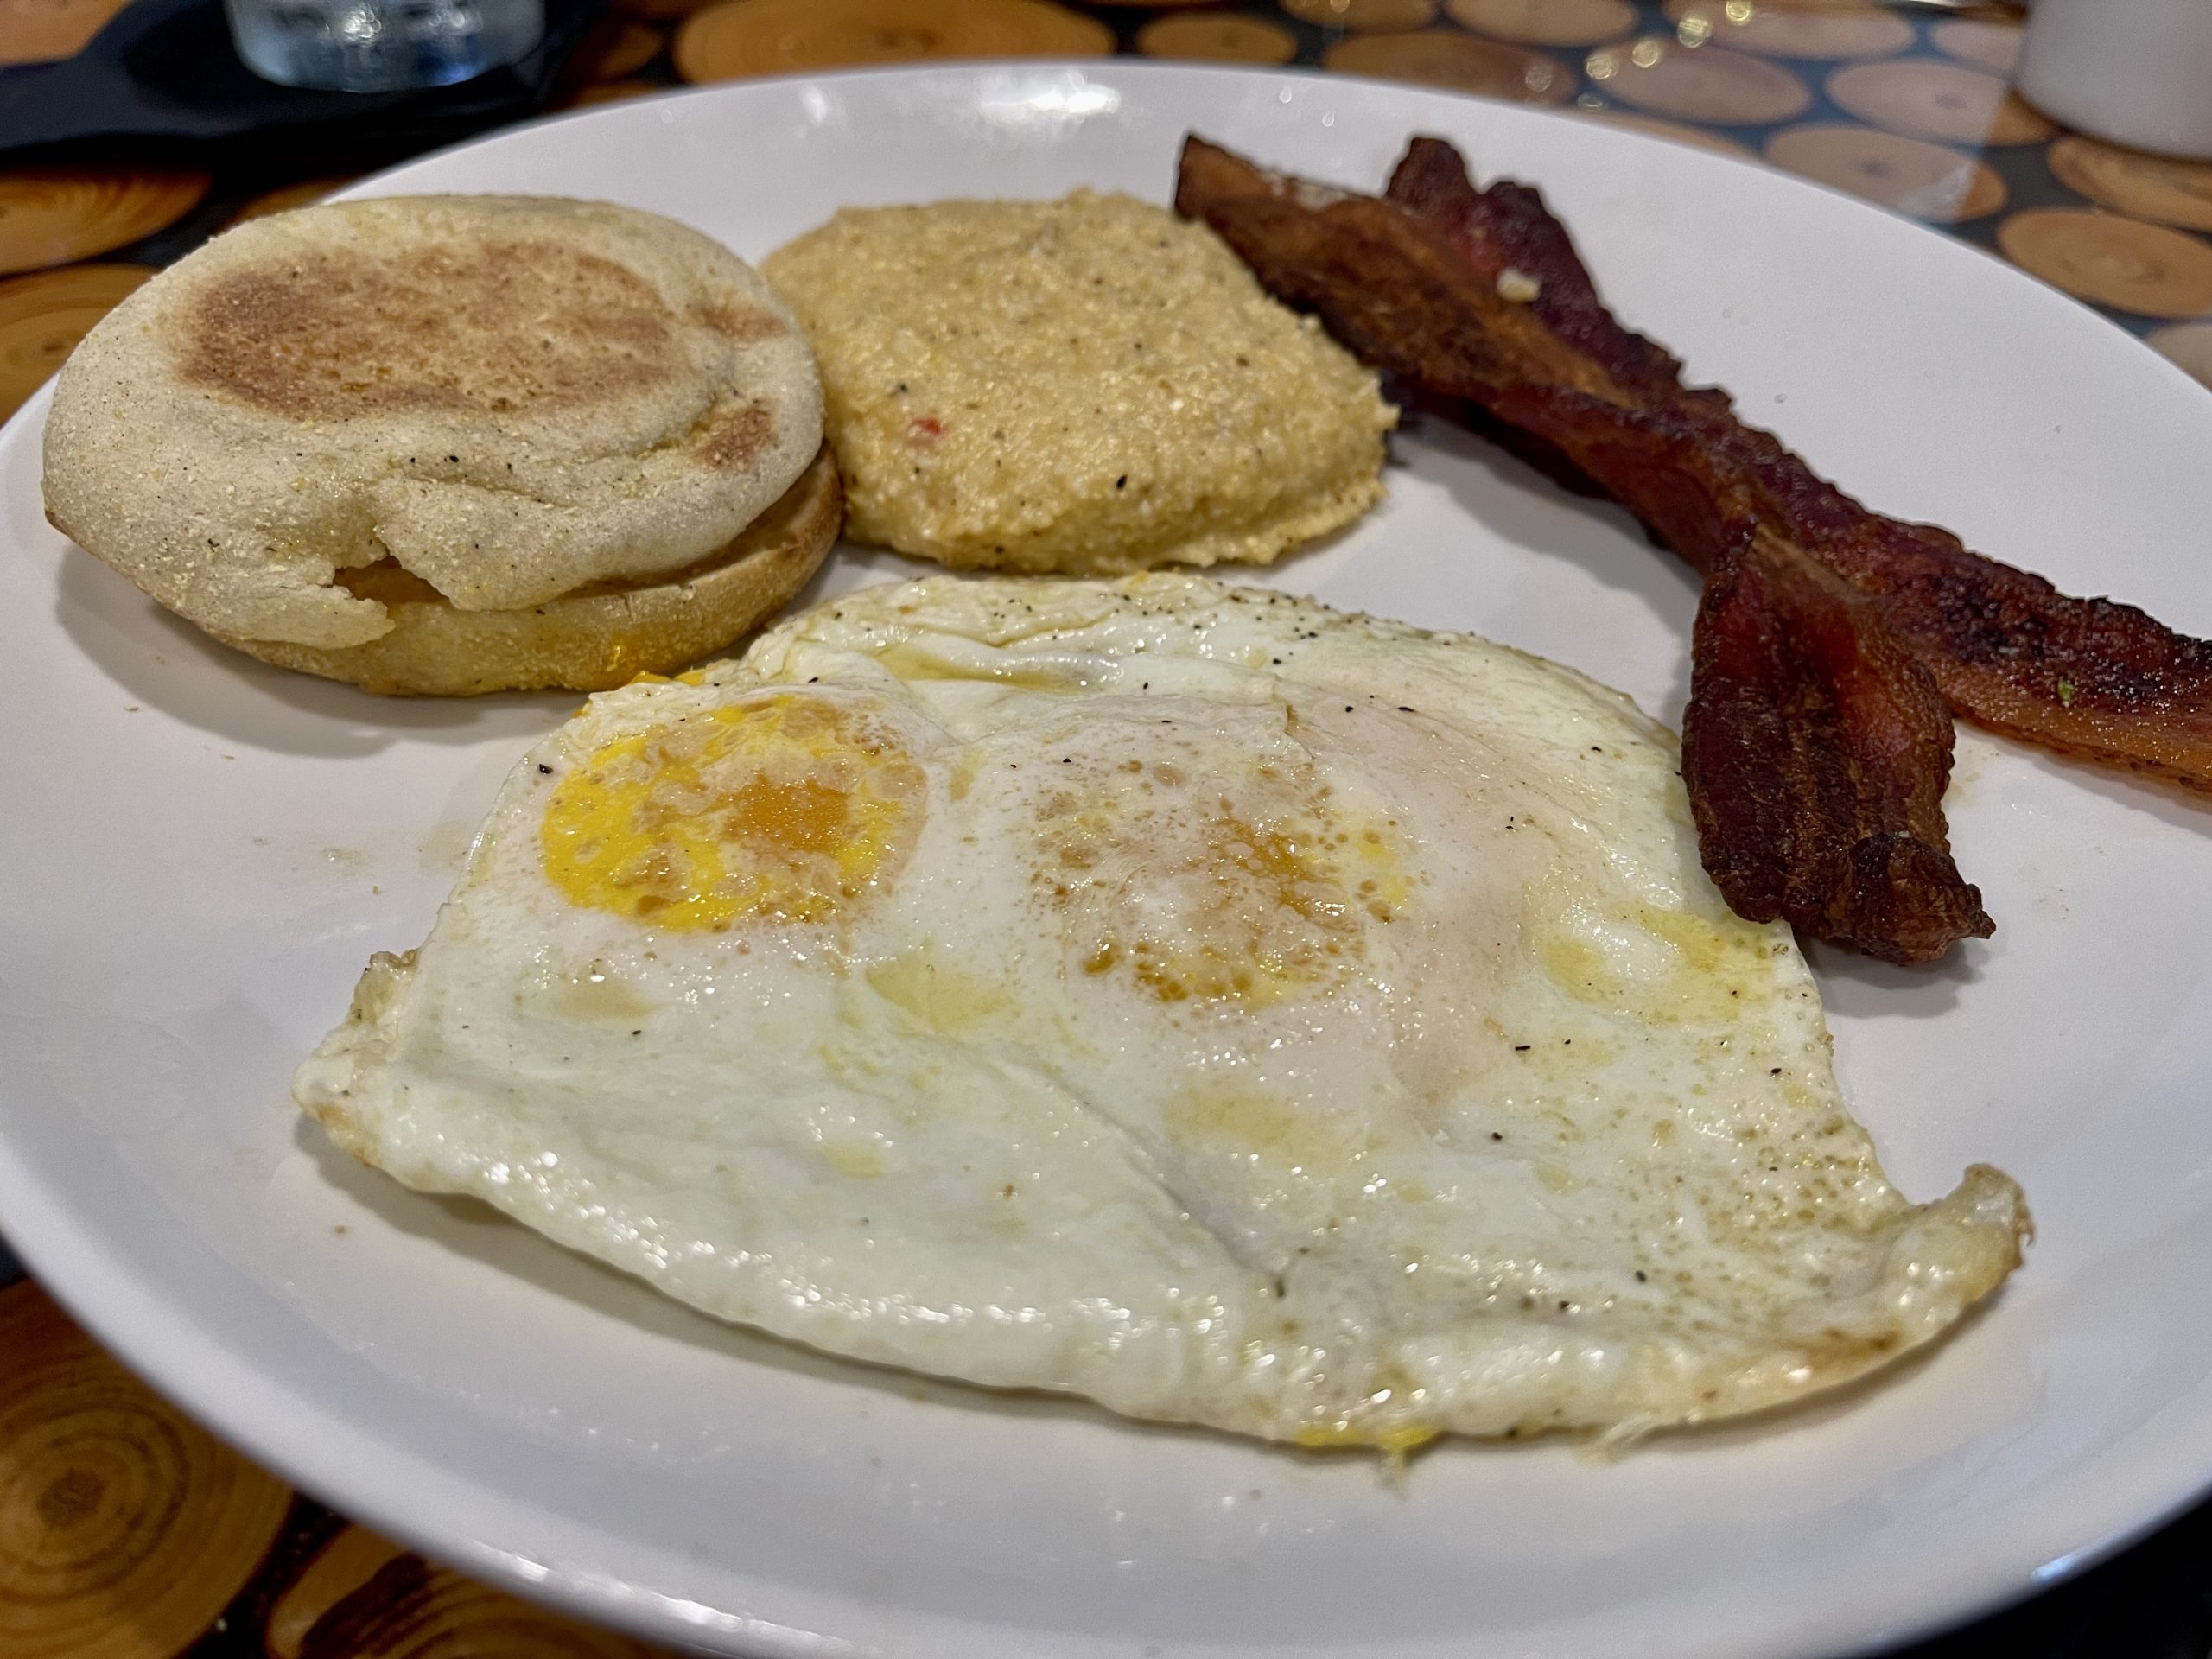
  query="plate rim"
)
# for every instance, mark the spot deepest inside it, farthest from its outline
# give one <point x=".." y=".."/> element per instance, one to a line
<point x="247" y="1407"/>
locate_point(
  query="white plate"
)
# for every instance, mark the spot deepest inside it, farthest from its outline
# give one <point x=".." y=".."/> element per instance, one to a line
<point x="197" y="854"/>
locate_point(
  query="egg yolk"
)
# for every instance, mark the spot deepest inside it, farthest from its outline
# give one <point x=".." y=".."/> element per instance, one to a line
<point x="787" y="809"/>
<point x="1394" y="1443"/>
<point x="1226" y="882"/>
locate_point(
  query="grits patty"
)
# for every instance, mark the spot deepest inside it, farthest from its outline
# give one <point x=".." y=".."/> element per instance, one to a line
<point x="1087" y="385"/>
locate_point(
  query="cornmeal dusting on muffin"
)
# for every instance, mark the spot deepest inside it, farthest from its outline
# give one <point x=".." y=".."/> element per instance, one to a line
<point x="1089" y="386"/>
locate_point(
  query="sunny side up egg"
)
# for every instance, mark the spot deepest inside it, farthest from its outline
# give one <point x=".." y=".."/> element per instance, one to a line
<point x="1235" y="1011"/>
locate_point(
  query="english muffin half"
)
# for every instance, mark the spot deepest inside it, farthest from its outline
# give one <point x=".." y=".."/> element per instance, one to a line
<point x="596" y="637"/>
<point x="412" y="414"/>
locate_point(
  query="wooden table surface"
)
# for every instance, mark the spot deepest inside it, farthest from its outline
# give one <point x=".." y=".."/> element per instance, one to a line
<point x="128" y="1532"/>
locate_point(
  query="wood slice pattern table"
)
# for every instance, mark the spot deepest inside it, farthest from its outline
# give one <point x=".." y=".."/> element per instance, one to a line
<point x="128" y="1532"/>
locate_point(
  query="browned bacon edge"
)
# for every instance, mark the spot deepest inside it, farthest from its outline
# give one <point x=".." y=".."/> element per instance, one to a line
<point x="2088" y="677"/>
<point x="1816" y="771"/>
<point x="1817" y="749"/>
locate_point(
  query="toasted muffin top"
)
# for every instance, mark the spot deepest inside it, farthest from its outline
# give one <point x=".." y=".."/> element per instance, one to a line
<point x="508" y="397"/>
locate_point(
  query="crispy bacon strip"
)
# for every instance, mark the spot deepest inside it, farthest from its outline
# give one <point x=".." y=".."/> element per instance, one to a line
<point x="1819" y="775"/>
<point x="1816" y="748"/>
<point x="2088" y="677"/>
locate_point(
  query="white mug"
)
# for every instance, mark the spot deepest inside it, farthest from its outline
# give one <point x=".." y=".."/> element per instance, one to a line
<point x="2137" y="72"/>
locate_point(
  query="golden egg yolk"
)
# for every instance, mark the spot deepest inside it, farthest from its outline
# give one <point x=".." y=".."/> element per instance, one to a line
<point x="787" y="809"/>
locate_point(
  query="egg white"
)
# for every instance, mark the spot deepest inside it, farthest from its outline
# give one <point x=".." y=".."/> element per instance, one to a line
<point x="1235" y="1011"/>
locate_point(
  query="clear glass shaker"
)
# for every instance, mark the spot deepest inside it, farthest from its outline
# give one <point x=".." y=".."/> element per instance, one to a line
<point x="381" y="46"/>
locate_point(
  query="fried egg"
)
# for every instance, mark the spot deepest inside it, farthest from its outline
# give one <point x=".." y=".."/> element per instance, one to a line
<point x="1232" y="1010"/>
